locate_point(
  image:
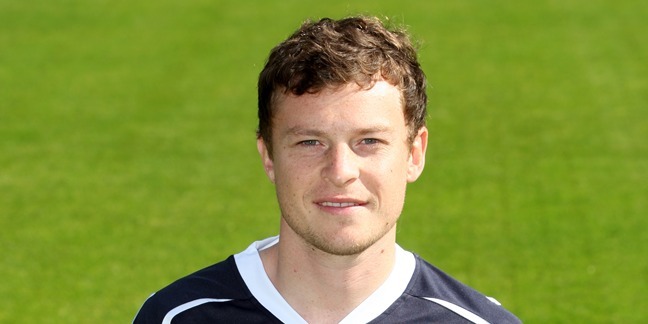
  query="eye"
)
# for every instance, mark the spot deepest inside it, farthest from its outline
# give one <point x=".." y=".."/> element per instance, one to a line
<point x="309" y="142"/>
<point x="370" y="141"/>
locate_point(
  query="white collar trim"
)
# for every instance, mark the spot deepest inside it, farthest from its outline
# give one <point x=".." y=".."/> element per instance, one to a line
<point x="251" y="269"/>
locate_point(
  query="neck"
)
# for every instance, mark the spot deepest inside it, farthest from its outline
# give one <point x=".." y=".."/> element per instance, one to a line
<point x="322" y="287"/>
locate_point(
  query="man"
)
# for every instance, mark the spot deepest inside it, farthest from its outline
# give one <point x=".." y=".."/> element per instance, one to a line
<point x="342" y="109"/>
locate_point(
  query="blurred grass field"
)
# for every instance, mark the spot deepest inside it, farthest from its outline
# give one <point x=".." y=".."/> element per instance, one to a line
<point x="127" y="154"/>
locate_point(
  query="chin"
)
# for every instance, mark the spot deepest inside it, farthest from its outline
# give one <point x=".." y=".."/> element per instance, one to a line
<point x="343" y="250"/>
<point x="342" y="246"/>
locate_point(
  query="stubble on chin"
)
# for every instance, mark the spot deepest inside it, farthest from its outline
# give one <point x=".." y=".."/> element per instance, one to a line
<point x="337" y="246"/>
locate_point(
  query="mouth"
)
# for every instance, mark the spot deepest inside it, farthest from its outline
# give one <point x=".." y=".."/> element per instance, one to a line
<point x="341" y="206"/>
<point x="338" y="204"/>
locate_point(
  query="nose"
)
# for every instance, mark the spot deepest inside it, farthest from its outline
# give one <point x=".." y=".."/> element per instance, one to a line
<point x="341" y="166"/>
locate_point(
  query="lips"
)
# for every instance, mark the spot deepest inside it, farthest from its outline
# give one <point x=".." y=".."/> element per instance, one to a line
<point x="338" y="204"/>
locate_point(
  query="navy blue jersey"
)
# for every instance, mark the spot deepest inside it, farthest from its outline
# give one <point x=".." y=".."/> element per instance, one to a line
<point x="238" y="290"/>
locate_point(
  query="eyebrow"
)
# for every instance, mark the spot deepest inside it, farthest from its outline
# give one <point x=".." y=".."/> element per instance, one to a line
<point x="300" y="131"/>
<point x="375" y="129"/>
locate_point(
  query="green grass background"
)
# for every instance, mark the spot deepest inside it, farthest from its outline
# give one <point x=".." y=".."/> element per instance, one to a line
<point x="127" y="154"/>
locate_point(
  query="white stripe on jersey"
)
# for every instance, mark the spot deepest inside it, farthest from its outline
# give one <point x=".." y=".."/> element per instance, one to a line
<point x="251" y="269"/>
<point x="256" y="279"/>
<point x="172" y="313"/>
<point x="387" y="294"/>
<point x="459" y="310"/>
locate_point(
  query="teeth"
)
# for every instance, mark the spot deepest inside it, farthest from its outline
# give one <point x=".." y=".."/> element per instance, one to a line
<point x="334" y="204"/>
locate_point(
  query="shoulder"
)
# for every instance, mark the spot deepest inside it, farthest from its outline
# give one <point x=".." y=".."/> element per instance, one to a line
<point x="220" y="282"/>
<point x="434" y="289"/>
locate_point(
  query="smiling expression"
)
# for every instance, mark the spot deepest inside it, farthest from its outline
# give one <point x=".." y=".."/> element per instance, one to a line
<point x="341" y="163"/>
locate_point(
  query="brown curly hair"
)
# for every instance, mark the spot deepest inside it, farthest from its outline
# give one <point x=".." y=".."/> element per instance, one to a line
<point x="333" y="53"/>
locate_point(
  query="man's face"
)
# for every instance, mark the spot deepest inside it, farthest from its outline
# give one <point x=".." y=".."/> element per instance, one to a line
<point x="340" y="164"/>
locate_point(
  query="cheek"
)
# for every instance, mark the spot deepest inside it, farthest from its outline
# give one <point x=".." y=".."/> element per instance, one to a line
<point x="389" y="167"/>
<point x="388" y="178"/>
<point x="292" y="174"/>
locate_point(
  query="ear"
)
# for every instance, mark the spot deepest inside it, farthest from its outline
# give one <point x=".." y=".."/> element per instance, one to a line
<point x="417" y="155"/>
<point x="266" y="159"/>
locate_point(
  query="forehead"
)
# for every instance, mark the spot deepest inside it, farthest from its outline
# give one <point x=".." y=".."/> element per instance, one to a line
<point x="343" y="106"/>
